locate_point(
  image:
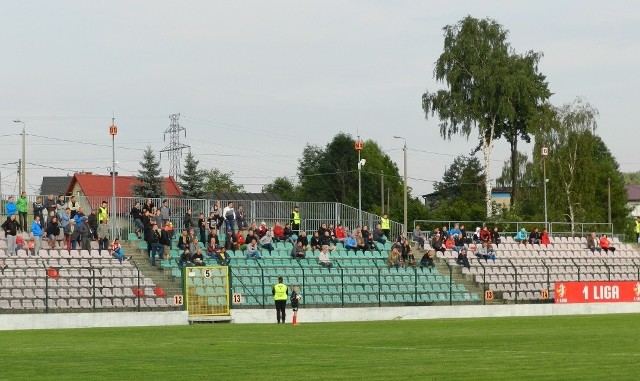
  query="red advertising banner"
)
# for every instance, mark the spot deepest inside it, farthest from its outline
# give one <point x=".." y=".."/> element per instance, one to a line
<point x="597" y="292"/>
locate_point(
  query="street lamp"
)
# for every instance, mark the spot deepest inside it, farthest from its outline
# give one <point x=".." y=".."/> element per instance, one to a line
<point x="113" y="131"/>
<point x="23" y="162"/>
<point x="361" y="162"/>
<point x="404" y="149"/>
<point x="545" y="152"/>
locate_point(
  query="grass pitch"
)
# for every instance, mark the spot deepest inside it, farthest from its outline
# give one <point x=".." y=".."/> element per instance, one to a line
<point x="547" y="348"/>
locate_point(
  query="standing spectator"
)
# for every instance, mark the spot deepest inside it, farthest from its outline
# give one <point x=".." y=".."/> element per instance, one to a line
<point x="280" y="295"/>
<point x="38" y="210"/>
<point x="93" y="224"/>
<point x="147" y="228"/>
<point x="148" y="206"/>
<point x="217" y="213"/>
<point x="53" y="231"/>
<point x="85" y="233"/>
<point x="36" y="230"/>
<point x="50" y="206"/>
<point x="212" y="221"/>
<point x="74" y="205"/>
<point x="103" y="235"/>
<point x="103" y="213"/>
<point x="241" y="218"/>
<point x="323" y="258"/>
<point x="418" y="236"/>
<point x="295" y="219"/>
<point x="606" y="245"/>
<point x="295" y="303"/>
<point x="157" y="248"/>
<point x="165" y="213"/>
<point x="22" y="205"/>
<point x="61" y="205"/>
<point x="11" y="208"/>
<point x="10" y="227"/>
<point x="202" y="226"/>
<point x="229" y="214"/>
<point x="638" y="229"/>
<point x="592" y="243"/>
<point x="385" y="225"/>
<point x="80" y="217"/>
<point x="69" y="231"/>
<point x="136" y="215"/>
<point x="187" y="220"/>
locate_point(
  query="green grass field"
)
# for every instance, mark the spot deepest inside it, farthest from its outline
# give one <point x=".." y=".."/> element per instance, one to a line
<point x="548" y="348"/>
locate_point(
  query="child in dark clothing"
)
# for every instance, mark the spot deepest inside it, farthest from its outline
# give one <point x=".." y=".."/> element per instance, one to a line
<point x="295" y="302"/>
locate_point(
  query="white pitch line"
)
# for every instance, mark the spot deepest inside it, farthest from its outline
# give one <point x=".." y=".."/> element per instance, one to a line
<point x="422" y="349"/>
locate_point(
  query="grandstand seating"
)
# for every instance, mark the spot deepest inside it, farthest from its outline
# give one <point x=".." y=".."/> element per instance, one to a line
<point x="521" y="272"/>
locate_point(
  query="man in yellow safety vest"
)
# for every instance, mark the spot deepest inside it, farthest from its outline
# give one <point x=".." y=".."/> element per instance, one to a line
<point x="280" y="295"/>
<point x="295" y="220"/>
<point x="386" y="226"/>
<point x="638" y="229"/>
<point x="103" y="213"/>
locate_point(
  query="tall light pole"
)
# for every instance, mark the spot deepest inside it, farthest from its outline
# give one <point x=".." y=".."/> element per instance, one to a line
<point x="545" y="152"/>
<point x="359" y="146"/>
<point x="404" y="149"/>
<point x="23" y="163"/>
<point x="113" y="131"/>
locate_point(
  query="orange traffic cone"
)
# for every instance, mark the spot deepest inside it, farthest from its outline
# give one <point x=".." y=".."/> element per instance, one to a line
<point x="295" y="318"/>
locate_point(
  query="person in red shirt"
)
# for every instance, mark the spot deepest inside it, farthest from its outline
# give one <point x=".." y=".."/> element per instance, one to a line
<point x="340" y="234"/>
<point x="278" y="232"/>
<point x="606" y="245"/>
<point x="262" y="230"/>
<point x="449" y="243"/>
<point x="544" y="238"/>
<point x="240" y="240"/>
<point x="485" y="235"/>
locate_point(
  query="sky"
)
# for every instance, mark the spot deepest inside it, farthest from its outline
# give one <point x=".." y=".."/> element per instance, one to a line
<point x="255" y="81"/>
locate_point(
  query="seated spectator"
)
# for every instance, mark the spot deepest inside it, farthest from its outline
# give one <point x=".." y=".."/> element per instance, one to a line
<point x="427" y="259"/>
<point x="251" y="235"/>
<point x="287" y="232"/>
<point x="253" y="251"/>
<point x="463" y="234"/>
<point x="266" y="242"/>
<point x="240" y="241"/>
<point x="458" y="242"/>
<point x="365" y="231"/>
<point x="326" y="240"/>
<point x="370" y="243"/>
<point x="303" y="239"/>
<point x="534" y="237"/>
<point x="407" y="255"/>
<point x="117" y="252"/>
<point x="230" y="240"/>
<point x="341" y="235"/>
<point x="20" y="243"/>
<point x="450" y="243"/>
<point x="444" y="233"/>
<point x="323" y="258"/>
<point x="222" y="257"/>
<point x="486" y="251"/>
<point x="185" y="259"/>
<point x="350" y="243"/>
<point x="437" y="244"/>
<point x="462" y="259"/>
<point x="332" y="233"/>
<point x="592" y="243"/>
<point x="262" y="230"/>
<point x="212" y="247"/>
<point x="378" y="234"/>
<point x="197" y="258"/>
<point x="395" y="258"/>
<point x="3" y="266"/>
<point x="315" y="241"/>
<point x="476" y="236"/>
<point x="360" y="242"/>
<point x="183" y="241"/>
<point x="485" y="235"/>
<point x="278" y="232"/>
<point x="402" y="238"/>
<point x="605" y="244"/>
<point x="323" y="228"/>
<point x="521" y="236"/>
<point x="495" y="236"/>
<point x="418" y="237"/>
<point x="544" y="238"/>
<point x="455" y="230"/>
<point x="298" y="251"/>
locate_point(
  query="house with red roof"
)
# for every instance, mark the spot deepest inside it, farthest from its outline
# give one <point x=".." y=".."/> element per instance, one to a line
<point x="90" y="185"/>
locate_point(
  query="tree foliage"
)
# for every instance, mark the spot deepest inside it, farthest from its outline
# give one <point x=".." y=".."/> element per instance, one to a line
<point x="460" y="195"/>
<point x="192" y="179"/>
<point x="283" y="187"/>
<point x="151" y="183"/>
<point x="632" y="177"/>
<point x="217" y="181"/>
<point x="490" y="90"/>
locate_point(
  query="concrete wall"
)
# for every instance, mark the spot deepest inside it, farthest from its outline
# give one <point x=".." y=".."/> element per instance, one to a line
<point x="92" y="320"/>
<point x="319" y="315"/>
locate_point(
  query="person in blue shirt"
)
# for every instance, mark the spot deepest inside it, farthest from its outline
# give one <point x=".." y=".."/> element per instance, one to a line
<point x="11" y="208"/>
<point x="36" y="230"/>
<point x="521" y="236"/>
<point x="350" y="242"/>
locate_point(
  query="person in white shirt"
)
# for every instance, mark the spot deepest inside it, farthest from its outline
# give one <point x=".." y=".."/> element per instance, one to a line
<point x="323" y="258"/>
<point x="229" y="215"/>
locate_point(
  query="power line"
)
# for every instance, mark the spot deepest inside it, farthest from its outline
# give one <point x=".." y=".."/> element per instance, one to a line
<point x="81" y="142"/>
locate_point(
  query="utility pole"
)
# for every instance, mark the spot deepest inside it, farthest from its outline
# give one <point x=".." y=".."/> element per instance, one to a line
<point x="175" y="147"/>
<point x="404" y="150"/>
<point x="23" y="162"/>
<point x="609" y="195"/>
<point x="361" y="162"/>
<point x="382" y="192"/>
<point x="545" y="152"/>
<point x="113" y="131"/>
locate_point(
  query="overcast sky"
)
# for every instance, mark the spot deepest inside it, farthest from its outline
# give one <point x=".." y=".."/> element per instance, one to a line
<point x="255" y="81"/>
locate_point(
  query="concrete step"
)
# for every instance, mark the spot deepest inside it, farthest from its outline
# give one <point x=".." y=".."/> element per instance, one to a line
<point x="141" y="260"/>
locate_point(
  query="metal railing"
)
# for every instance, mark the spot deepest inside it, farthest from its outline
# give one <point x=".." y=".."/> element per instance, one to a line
<point x="557" y="229"/>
